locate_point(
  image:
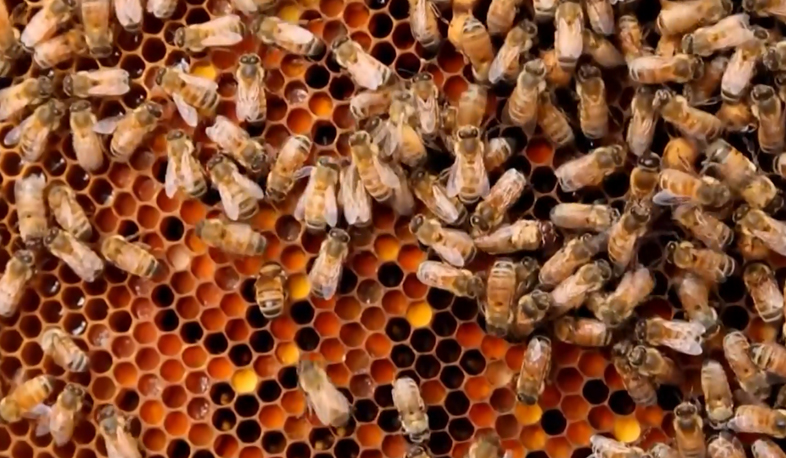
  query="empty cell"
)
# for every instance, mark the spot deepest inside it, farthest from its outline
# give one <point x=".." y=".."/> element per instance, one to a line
<point x="317" y="77"/>
<point x="444" y="325"/>
<point x="398" y="329"/>
<point x="735" y="317"/>
<point x="389" y="421"/>
<point x="247" y="405"/>
<point x="365" y="409"/>
<point x="452" y="377"/>
<point x="461" y="429"/>
<point x="298" y="450"/>
<point x="473" y="362"/>
<point x="349" y="281"/>
<point x="390" y="274"/>
<point x="621" y="403"/>
<point x="441" y="442"/>
<point x="32" y="354"/>
<point x="553" y="422"/>
<point x="427" y="366"/>
<point x="423" y="340"/>
<point x="10" y="340"/>
<point x="324" y="133"/>
<point x="457" y="403"/>
<point x="307" y="339"/>
<point x="380" y="25"/>
<point x="595" y="391"/>
<point x="464" y="308"/>
<point x="224" y="419"/>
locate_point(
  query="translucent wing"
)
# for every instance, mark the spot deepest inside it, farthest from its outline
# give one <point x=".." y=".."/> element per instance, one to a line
<point x="189" y="113"/>
<point x="324" y="275"/>
<point x="353" y="197"/>
<point x="129" y="12"/>
<point x="200" y="82"/>
<point x="190" y="168"/>
<point x="450" y="254"/>
<point x="403" y="200"/>
<point x="300" y="208"/>
<point x="330" y="405"/>
<point x="12" y="138"/>
<point x="247" y="101"/>
<point x="113" y="81"/>
<point x="42" y="427"/>
<point x="107" y="126"/>
<point x="294" y="33"/>
<point x="251" y="187"/>
<point x="504" y="59"/>
<point x="688" y="338"/>
<point x="331" y="207"/>
<point x="367" y="71"/>
<point x="418" y="19"/>
<point x="223" y="35"/>
<point x="126" y="447"/>
<point x="37" y="140"/>
<point x="85" y="262"/>
<point x="171" y="181"/>
<point x="665" y="197"/>
<point x="386" y="174"/>
<point x="62" y="425"/>
<point x="230" y="203"/>
<point x="453" y="184"/>
<point x="568" y="38"/>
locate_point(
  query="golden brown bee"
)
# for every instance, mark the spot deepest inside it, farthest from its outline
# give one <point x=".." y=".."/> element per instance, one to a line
<point x="604" y="447"/>
<point x="45" y="23"/>
<point x="115" y="428"/>
<point x="521" y="108"/>
<point x="434" y="196"/>
<point x="679" y="335"/>
<point x="736" y="117"/>
<point x="545" y="10"/>
<point x="702" y="91"/>
<point x="183" y="168"/>
<point x="97" y="20"/>
<point x="765" y="448"/>
<point x="237" y="143"/>
<point x="644" y="178"/>
<point x="750" y="247"/>
<point x="774" y="57"/>
<point x="97" y="83"/>
<point x="505" y="283"/>
<point x="742" y="175"/>
<point x="134" y="258"/>
<point x="556" y="76"/>
<point x="703" y="226"/>
<point x="644" y="119"/>
<point x="18" y="272"/>
<point x="680" y="154"/>
<point x="460" y="282"/>
<point x="130" y="130"/>
<point x="26" y="399"/>
<point x="663" y="451"/>
<point x="223" y="31"/>
<point x="770" y="357"/>
<point x="62" y="48"/>
<point x="688" y="431"/>
<point x="472" y="107"/>
<point x="772" y="8"/>
<point x="602" y="50"/>
<point x="365" y="70"/>
<point x="10" y="46"/>
<point x="535" y="368"/>
<point x="764" y="227"/>
<point x="679" y="18"/>
<point x="694" y="294"/>
<point x="678" y="187"/>
<point x="452" y="245"/>
<point x="668" y="45"/>
<point x="426" y="95"/>
<point x="326" y="271"/>
<point x="585" y="217"/>
<point x="58" y="345"/>
<point x="32" y="134"/>
<point x="528" y="313"/>
<point x="286" y="169"/>
<point x="763" y="289"/>
<point x="590" y="169"/>
<point x="292" y="38"/>
<point x="680" y="68"/>
<point x="456" y="26"/>
<point x="506" y="66"/>
<point x="573" y="291"/>
<point x="30" y="209"/>
<point x="424" y="21"/>
<point x="759" y="419"/>
<point x="317" y="205"/>
<point x="476" y="46"/>
<point x="711" y="265"/>
<point x="768" y="110"/>
<point x="129" y="14"/>
<point x="640" y="388"/>
<point x="600" y="16"/>
<point x="630" y="37"/>
<point x="490" y="212"/>
<point x="366" y="104"/>
<point x="60" y="419"/>
<point x="573" y="254"/>
<point x="729" y="32"/>
<point x="740" y="70"/>
<point x="625" y="234"/>
<point x="87" y="145"/>
<point x="269" y="290"/>
<point x="584" y="332"/>
<point x="193" y="95"/>
<point x="324" y="399"/>
<point x="616" y="307"/>
<point x="467" y="178"/>
<point x="593" y="110"/>
<point x="736" y="348"/>
<point x="523" y="235"/>
<point x="497" y="152"/>
<point x="690" y="121"/>
<point x="408" y="147"/>
<point x="67" y="212"/>
<point x="233" y="238"/>
<point x="379" y="178"/>
<point x="30" y="92"/>
<point x="411" y="409"/>
<point x="652" y="363"/>
<point x="239" y="194"/>
<point x="717" y="393"/>
<point x="250" y="101"/>
<point x="162" y="9"/>
<point x="568" y="34"/>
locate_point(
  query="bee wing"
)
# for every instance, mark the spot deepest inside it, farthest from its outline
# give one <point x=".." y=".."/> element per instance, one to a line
<point x="42" y="427"/>
<point x="427" y="110"/>
<point x="295" y="33"/>
<point x="353" y="197"/>
<point x="204" y="83"/>
<point x="449" y="254"/>
<point x="171" y="181"/>
<point x="690" y="333"/>
<point x="330" y="273"/>
<point x="664" y="197"/>
<point x="247" y="101"/>
<point x="367" y="71"/>
<point x="112" y="82"/>
<point x="453" y="184"/>
<point x="329" y="404"/>
<point x="85" y="262"/>
<point x="60" y="422"/>
<point x="300" y="208"/>
<point x="444" y="205"/>
<point x="331" y="207"/>
<point x="252" y="188"/>
<point x="189" y="113"/>
<point x="12" y="138"/>
<point x="403" y="200"/>
<point x="386" y="174"/>
<point x="568" y="38"/>
<point x="107" y="126"/>
<point x="231" y="205"/>
<point x="129" y="12"/>
<point x="503" y="60"/>
<point x="222" y="34"/>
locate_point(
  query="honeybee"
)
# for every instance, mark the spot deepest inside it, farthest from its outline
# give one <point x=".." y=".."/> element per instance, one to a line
<point x="31" y="213"/>
<point x="60" y="419"/>
<point x="460" y="282"/>
<point x="134" y="258"/>
<point x="476" y="46"/>
<point x="59" y="346"/>
<point x="679" y="18"/>
<point x="250" y="103"/>
<point x="506" y="66"/>
<point x="764" y="227"/>
<point x="729" y="32"/>
<point x="67" y="212"/>
<point x="584" y="332"/>
<point x="97" y="83"/>
<point x="45" y="23"/>
<point x="688" y="433"/>
<point x="10" y="46"/>
<point x="678" y="187"/>
<point x="593" y="110"/>
<point x="366" y="104"/>
<point x="626" y="232"/>
<point x="97" y="23"/>
<point x="521" y="108"/>
<point x="269" y="290"/>
<point x="523" y="235"/>
<point x="379" y="179"/>
<point x="690" y="121"/>
<point x="741" y="175"/>
<point x="568" y="34"/>
<point x="236" y="142"/>
<point x="129" y="14"/>
<point x="644" y="119"/>
<point x="544" y="10"/>
<point x="736" y="348"/>
<point x="703" y="226"/>
<point x="130" y="130"/>
<point x="680" y="68"/>
<point x="528" y="313"/>
<point x="573" y="291"/>
<point x="87" y="146"/>
<point x="679" y="335"/>
<point x="472" y="106"/>
<point x="702" y="91"/>
<point x="365" y="70"/>
<point x="162" y="9"/>
<point x="428" y="189"/>
<point x="498" y="151"/>
<point x="535" y="368"/>
<point x="614" y="308"/>
<point x="467" y="178"/>
<point x="239" y="194"/>
<point x="694" y="294"/>
<point x="640" y="388"/>
<point x="183" y="170"/>
<point x="487" y="446"/>
<point x="253" y="7"/>
<point x="491" y="211"/>
<point x="408" y="145"/>
<point x="452" y="245"/>
<point x="602" y="50"/>
<point x="31" y="135"/>
<point x="505" y="283"/>
<point x="116" y="431"/>
<point x="770" y="357"/>
<point x="317" y="206"/>
<point x="605" y="447"/>
<point x="352" y="197"/>
<point x="630" y="37"/>
<point x="759" y="419"/>
<point x="765" y="8"/>
<point x="652" y="363"/>
<point x="644" y="178"/>
<point x="590" y="169"/>
<point x="426" y="95"/>
<point x="711" y="265"/>
<point x="424" y="23"/>
<point x="556" y="76"/>
<point x="573" y="254"/>
<point x="740" y="70"/>
<point x="292" y="38"/>
<point x="223" y="31"/>
<point x="751" y="247"/>
<point x="193" y="95"/>
<point x="585" y="217"/>
<point x="61" y="48"/>
<point x="736" y="117"/>
<point x="717" y="393"/>
<point x="663" y="451"/>
<point x="774" y="58"/>
<point x="18" y="272"/>
<point x="326" y="271"/>
<point x="767" y="109"/>
<point x="680" y="154"/>
<point x="411" y="409"/>
<point x="25" y="400"/>
<point x="234" y="238"/>
<point x="763" y="289"/>
<point x="30" y="92"/>
<point x="456" y="26"/>
<point x="765" y="448"/>
<point x="385" y="138"/>
<point x="78" y="256"/>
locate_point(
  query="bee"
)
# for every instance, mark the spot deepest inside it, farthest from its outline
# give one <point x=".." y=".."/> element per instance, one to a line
<point x="409" y="148"/>
<point x="30" y="92"/>
<point x="679" y="18"/>
<point x="506" y="66"/>
<point x="60" y="419"/>
<point x="328" y="403"/>
<point x="411" y="409"/>
<point x="452" y="245"/>
<point x="426" y="96"/>
<point x="67" y="212"/>
<point x="491" y="211"/>
<point x="318" y="206"/>
<point x="556" y="76"/>
<point x="729" y="32"/>
<point x="614" y="308"/>
<point x="765" y="448"/>
<point x="193" y="95"/>
<point x="326" y="271"/>
<point x="774" y="58"/>
<point x="18" y="271"/>
<point x="688" y="433"/>
<point x="535" y="368"/>
<point x="679" y="335"/>
<point x="770" y="357"/>
<point x="97" y="23"/>
<point x="378" y="178"/>
<point x="701" y="91"/>
<point x="703" y="226"/>
<point x="568" y="34"/>
<point x="751" y="247"/>
<point x="129" y="14"/>
<point x="223" y="31"/>
<point x="352" y="197"/>
<point x="116" y="431"/>
<point x="753" y="380"/>
<point x="717" y="393"/>
<point x="690" y="121"/>
<point x="62" y="48"/>
<point x="239" y="194"/>
<point x="183" y="170"/>
<point x="467" y="178"/>
<point x="640" y="388"/>
<point x="664" y="451"/>
<point x="644" y="178"/>
<point x="162" y="9"/>
<point x="584" y="332"/>
<point x="523" y="235"/>
<point x="459" y="282"/>
<point x="456" y="26"/>
<point x="237" y="143"/>
<point x="626" y="232"/>
<point x="573" y="291"/>
<point x="416" y="451"/>
<point x="253" y="7"/>
<point x="644" y="119"/>
<point x="130" y="130"/>
<point x="765" y="8"/>
<point x="424" y="21"/>
<point x="711" y="265"/>
<point x="593" y="110"/>
<point x="505" y="283"/>
<point x="759" y="419"/>
<point x="269" y="290"/>
<point x="694" y="294"/>
<point x="680" y="68"/>
<point x="545" y="10"/>
<point x="590" y="169"/>
<point x="97" y="83"/>
<point x="605" y="447"/>
<point x="764" y="227"/>
<point x="10" y="46"/>
<point x="87" y="146"/>
<point x="430" y="191"/>
<point x="78" y="256"/>
<point x="736" y="117"/>
<point x="58" y="345"/>
<point x="26" y="399"/>
<point x="668" y="45"/>
<point x="600" y="16"/>
<point x="292" y="38"/>
<point x="678" y="187"/>
<point x="487" y="446"/>
<point x="472" y="107"/>
<point x="768" y="111"/>
<point x="573" y="254"/>
<point x="234" y="238"/>
<point x="498" y="151"/>
<point x="763" y="289"/>
<point x="476" y="46"/>
<point x="630" y="37"/>
<point x="31" y="135"/>
<point x="365" y="70"/>
<point x="521" y="108"/>
<point x="45" y="23"/>
<point x="680" y="154"/>
<point x="134" y="258"/>
<point x="250" y="103"/>
<point x="31" y="213"/>
<point x="367" y="104"/>
<point x="652" y="363"/>
<point x="528" y="313"/>
<point x="740" y="70"/>
<point x="742" y="175"/>
<point x="585" y="217"/>
<point x="602" y="50"/>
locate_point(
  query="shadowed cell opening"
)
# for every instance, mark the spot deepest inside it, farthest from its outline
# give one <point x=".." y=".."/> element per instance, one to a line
<point x="178" y="448"/>
<point x="461" y="429"/>
<point x="473" y="362"/>
<point x="439" y="299"/>
<point x="621" y="403"/>
<point x="222" y="394"/>
<point x="398" y="329"/>
<point x="167" y="320"/>
<point x="127" y="400"/>
<point x="287" y="377"/>
<point x="216" y="343"/>
<point x="249" y="431"/>
<point x="269" y="391"/>
<point x="464" y="308"/>
<point x="735" y="317"/>
<point x="390" y="275"/>
<point x="383" y="396"/>
<point x="347" y="448"/>
<point x="543" y="206"/>
<point x="262" y="341"/>
<point x="172" y="228"/>
<point x="457" y="403"/>
<point x="440" y="443"/>
<point x="427" y="366"/>
<point x="298" y="450"/>
<point x="732" y="290"/>
<point x="302" y="312"/>
<point x="553" y="422"/>
<point x="543" y="179"/>
<point x="321" y="438"/>
<point x="669" y="397"/>
<point x="163" y="296"/>
<point x="240" y="355"/>
<point x="348" y="282"/>
<point x="437" y="418"/>
<point x="402" y="356"/>
<point x="365" y="411"/>
<point x="452" y="377"/>
<point x="444" y="325"/>
<point x="389" y="421"/>
<point x="246" y="405"/>
<point x="255" y="318"/>
<point x="307" y="339"/>
<point x="423" y="340"/>
<point x="595" y="391"/>
<point x="191" y="333"/>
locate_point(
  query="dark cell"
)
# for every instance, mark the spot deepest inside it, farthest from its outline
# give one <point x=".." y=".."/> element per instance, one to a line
<point x="616" y="185"/>
<point x="254" y="316"/>
<point x="465" y="309"/>
<point x="437" y="418"/>
<point x="273" y="442"/>
<point x="553" y="422"/>
<point x="287" y="377"/>
<point x="380" y="25"/>
<point x="383" y="396"/>
<point x="452" y="377"/>
<point x="341" y="88"/>
<point x="261" y="341"/>
<point x="543" y="179"/>
<point x="543" y="207"/>
<point x="427" y="366"/>
<point x="172" y="228"/>
<point x="398" y="329"/>
<point x="439" y="299"/>
<point x="440" y="443"/>
<point x="390" y="274"/>
<point x="221" y="394"/>
<point x="461" y="429"/>
<point x="669" y="397"/>
<point x="302" y="312"/>
<point x="423" y="340"/>
<point x="163" y="296"/>
<point x="191" y="332"/>
<point x="621" y="403"/>
<point x="269" y="391"/>
<point x="735" y="317"/>
<point x="348" y="282"/>
<point x="444" y="325"/>
<point x="178" y="448"/>
<point x="298" y="450"/>
<point x="307" y="339"/>
<point x="347" y="448"/>
<point x="402" y="356"/>
<point x="538" y="454"/>
<point x="365" y="410"/>
<point x="473" y="362"/>
<point x="583" y="452"/>
<point x="246" y="405"/>
<point x="240" y="355"/>
<point x="324" y="133"/>
<point x="224" y="419"/>
<point x="457" y="403"/>
<point x="216" y="343"/>
<point x="389" y="421"/>
<point x="732" y="290"/>
<point x="595" y="391"/>
<point x="166" y="320"/>
<point x="321" y="438"/>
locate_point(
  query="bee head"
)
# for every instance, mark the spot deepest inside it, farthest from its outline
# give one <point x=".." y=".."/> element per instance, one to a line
<point x="339" y="235"/>
<point x="423" y="77"/>
<point x="685" y="410"/>
<point x="45" y="87"/>
<point x="416" y="223"/>
<point x="740" y="213"/>
<point x="541" y="300"/>
<point x="640" y="213"/>
<point x="180" y="37"/>
<point x="526" y="398"/>
<point x="155" y="109"/>
<point x="604" y="269"/>
<point x="338" y="42"/>
<point x="57" y="108"/>
<point x="718" y="151"/>
<point x="175" y="134"/>
<point x="51" y="235"/>
<point x="771" y="59"/>
<point x="361" y="137"/>
<point x="640" y="332"/>
<point x="25" y="257"/>
<point x="649" y="161"/>
<point x="478" y="222"/>
<point x="587" y="72"/>
<point x="160" y="75"/>
<point x="80" y="105"/>
<point x="529" y="263"/>
<point x="215" y="160"/>
<point x="475" y="286"/>
<point x="775" y="204"/>
<point x="467" y="132"/>
<point x="68" y="85"/>
<point x="623" y="347"/>
<point x="327" y="161"/>
<point x="636" y="356"/>
<point x="687" y="43"/>
<point x="548" y="234"/>
<point x="529" y="27"/>
<point x="761" y="93"/>
<point x="71" y="4"/>
<point x="760" y="33"/>
<point x="249" y="59"/>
